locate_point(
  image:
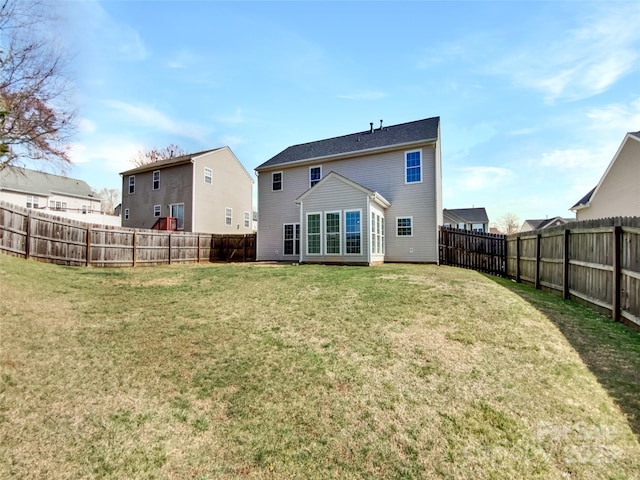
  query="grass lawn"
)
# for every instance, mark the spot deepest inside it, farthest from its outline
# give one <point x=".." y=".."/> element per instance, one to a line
<point x="312" y="372"/>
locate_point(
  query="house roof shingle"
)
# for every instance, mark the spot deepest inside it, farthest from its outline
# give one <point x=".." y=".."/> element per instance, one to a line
<point x="33" y="182"/>
<point x="404" y="133"/>
<point x="167" y="162"/>
<point x="470" y="215"/>
<point x="584" y="200"/>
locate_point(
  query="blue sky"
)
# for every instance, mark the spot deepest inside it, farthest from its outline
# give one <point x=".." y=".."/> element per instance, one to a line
<point x="534" y="97"/>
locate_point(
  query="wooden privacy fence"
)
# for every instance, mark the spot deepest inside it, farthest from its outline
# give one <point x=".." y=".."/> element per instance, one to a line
<point x="485" y="252"/>
<point x="33" y="234"/>
<point x="597" y="261"/>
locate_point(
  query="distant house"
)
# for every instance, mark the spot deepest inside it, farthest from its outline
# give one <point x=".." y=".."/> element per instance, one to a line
<point x="208" y="192"/>
<point x="618" y="191"/>
<point x="472" y="219"/>
<point x="364" y="198"/>
<point x="530" y="225"/>
<point x="56" y="194"/>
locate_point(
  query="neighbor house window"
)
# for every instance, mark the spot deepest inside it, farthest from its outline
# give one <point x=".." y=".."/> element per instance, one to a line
<point x="247" y="220"/>
<point x="313" y="233"/>
<point x="157" y="209"/>
<point x="57" y="205"/>
<point x="291" y="239"/>
<point x="132" y="184"/>
<point x="315" y="174"/>
<point x="126" y="214"/>
<point x="462" y="226"/>
<point x="477" y="227"/>
<point x="276" y="181"/>
<point x="405" y="226"/>
<point x="208" y="176"/>
<point x="156" y="180"/>
<point x="33" y="201"/>
<point x="85" y="208"/>
<point x="332" y="233"/>
<point x="228" y="218"/>
<point x="413" y="166"/>
<point x="377" y="233"/>
<point x="352" y="232"/>
<point x="176" y="211"/>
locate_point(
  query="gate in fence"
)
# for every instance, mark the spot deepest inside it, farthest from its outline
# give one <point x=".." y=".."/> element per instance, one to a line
<point x="485" y="252"/>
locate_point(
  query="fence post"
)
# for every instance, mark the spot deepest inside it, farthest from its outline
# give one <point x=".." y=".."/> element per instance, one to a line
<point x="135" y="244"/>
<point x="88" y="246"/>
<point x="565" y="265"/>
<point x="615" y="309"/>
<point x="169" y="249"/>
<point x="538" y="242"/>
<point x="27" y="245"/>
<point x="518" y="259"/>
<point x="198" y="240"/>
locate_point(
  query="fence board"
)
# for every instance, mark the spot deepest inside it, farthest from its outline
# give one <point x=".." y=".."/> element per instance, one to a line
<point x="485" y="252"/>
<point x="49" y="238"/>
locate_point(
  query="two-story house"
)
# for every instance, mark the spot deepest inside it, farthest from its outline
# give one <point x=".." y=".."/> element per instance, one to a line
<point x="53" y="194"/>
<point x="363" y="198"/>
<point x="618" y="191"/>
<point x="208" y="192"/>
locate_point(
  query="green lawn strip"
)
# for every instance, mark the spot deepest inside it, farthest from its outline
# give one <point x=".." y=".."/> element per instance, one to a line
<point x="250" y="371"/>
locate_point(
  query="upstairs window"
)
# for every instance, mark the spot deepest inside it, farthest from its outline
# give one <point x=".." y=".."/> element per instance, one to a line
<point x="315" y="174"/>
<point x="413" y="166"/>
<point x="228" y="216"/>
<point x="208" y="176"/>
<point x="247" y="220"/>
<point x="132" y="184"/>
<point x="276" y="181"/>
<point x="156" y="180"/>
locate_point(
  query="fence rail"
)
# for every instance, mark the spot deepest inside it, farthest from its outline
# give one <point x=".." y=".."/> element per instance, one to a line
<point x="595" y="262"/>
<point x="39" y="235"/>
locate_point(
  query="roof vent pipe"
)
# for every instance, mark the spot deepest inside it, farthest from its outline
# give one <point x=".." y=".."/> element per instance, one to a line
<point x="380" y="124"/>
<point x="371" y="127"/>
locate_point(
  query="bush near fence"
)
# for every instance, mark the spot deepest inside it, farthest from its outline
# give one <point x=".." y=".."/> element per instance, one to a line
<point x="33" y="234"/>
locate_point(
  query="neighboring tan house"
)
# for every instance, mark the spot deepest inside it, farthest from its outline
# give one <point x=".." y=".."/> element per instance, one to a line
<point x="472" y="219"/>
<point x="361" y="199"/>
<point x="618" y="191"/>
<point x="55" y="194"/>
<point x="530" y="225"/>
<point x="208" y="192"/>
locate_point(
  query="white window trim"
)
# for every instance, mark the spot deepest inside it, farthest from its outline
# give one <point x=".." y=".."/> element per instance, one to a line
<point x="183" y="211"/>
<point x="412" y="226"/>
<point x="126" y="214"/>
<point x="209" y="176"/>
<point x="230" y="216"/>
<point x="247" y="219"/>
<point x="157" y="209"/>
<point x="376" y="233"/>
<point x="284" y="227"/>
<point x="153" y="180"/>
<point x="306" y="233"/>
<point x="338" y="234"/>
<point x="419" y="150"/>
<point x="310" y="168"/>
<point x="281" y="181"/>
<point x="33" y="201"/>
<point x="132" y="183"/>
<point x="359" y="210"/>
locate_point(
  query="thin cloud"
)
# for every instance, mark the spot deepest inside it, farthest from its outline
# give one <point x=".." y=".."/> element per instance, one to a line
<point x="586" y="62"/>
<point x="147" y="116"/>
<point x="482" y="177"/>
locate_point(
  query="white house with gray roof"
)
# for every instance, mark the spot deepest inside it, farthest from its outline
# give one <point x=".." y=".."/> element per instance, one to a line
<point x="618" y="191"/>
<point x="365" y="198"/>
<point x="54" y="194"/>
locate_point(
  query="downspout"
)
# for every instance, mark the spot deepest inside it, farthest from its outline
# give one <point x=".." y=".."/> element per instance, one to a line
<point x="301" y="236"/>
<point x="368" y="231"/>
<point x="193" y="197"/>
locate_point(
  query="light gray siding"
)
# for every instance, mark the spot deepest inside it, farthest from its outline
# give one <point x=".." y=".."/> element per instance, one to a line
<point x="335" y="196"/>
<point x="231" y="187"/>
<point x="383" y="173"/>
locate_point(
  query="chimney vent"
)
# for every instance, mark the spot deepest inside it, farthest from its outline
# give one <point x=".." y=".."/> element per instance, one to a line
<point x="371" y="127"/>
<point x="380" y="124"/>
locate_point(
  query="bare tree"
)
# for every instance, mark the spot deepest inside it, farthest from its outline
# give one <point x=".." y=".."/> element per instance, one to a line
<point x="36" y="121"/>
<point x="509" y="223"/>
<point x="145" y="157"/>
<point x="110" y="199"/>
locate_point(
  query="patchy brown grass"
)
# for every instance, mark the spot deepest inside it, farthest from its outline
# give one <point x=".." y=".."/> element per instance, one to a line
<point x="240" y="371"/>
